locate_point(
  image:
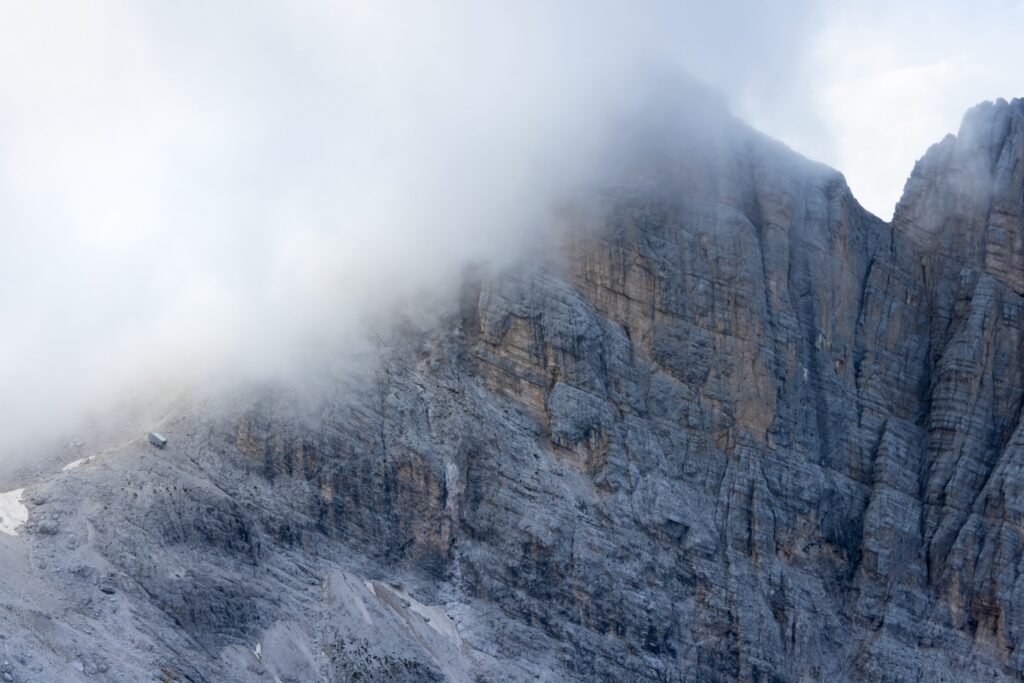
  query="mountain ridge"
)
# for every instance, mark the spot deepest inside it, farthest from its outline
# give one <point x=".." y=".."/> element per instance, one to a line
<point x="737" y="428"/>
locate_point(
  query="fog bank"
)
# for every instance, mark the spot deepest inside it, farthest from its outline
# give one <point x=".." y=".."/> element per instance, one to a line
<point x="197" y="191"/>
<point x="192" y="192"/>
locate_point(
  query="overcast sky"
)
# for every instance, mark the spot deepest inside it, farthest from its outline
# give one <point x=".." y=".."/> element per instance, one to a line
<point x="875" y="83"/>
<point x="187" y="183"/>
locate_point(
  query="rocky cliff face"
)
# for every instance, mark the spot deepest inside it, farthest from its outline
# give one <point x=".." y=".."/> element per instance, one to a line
<point x="737" y="428"/>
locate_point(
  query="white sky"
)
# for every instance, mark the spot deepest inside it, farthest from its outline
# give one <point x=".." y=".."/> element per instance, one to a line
<point x="877" y="82"/>
<point x="187" y="183"/>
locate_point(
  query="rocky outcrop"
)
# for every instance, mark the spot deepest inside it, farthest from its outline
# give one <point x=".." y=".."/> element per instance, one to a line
<point x="736" y="428"/>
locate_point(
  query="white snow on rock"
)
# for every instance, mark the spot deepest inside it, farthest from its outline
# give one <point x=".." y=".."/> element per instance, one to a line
<point x="13" y="512"/>
<point x="76" y="464"/>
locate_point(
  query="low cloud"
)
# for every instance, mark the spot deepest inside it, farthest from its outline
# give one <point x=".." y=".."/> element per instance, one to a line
<point x="190" y="190"/>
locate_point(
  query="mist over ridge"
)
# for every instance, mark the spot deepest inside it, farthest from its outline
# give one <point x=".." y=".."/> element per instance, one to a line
<point x="200" y="194"/>
<point x="195" y="192"/>
<point x="469" y="342"/>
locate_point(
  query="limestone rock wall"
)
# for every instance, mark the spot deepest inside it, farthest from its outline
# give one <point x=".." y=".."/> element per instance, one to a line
<point x="736" y="429"/>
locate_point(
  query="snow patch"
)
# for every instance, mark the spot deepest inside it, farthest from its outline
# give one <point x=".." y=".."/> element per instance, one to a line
<point x="76" y="464"/>
<point x="13" y="512"/>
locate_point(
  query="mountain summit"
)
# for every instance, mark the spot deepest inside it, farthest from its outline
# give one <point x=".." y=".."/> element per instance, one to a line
<point x="737" y="428"/>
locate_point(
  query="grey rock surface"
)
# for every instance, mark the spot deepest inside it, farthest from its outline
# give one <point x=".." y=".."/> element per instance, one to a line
<point x="737" y="428"/>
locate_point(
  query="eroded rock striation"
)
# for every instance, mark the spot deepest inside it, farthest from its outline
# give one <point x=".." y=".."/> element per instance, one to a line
<point x="737" y="428"/>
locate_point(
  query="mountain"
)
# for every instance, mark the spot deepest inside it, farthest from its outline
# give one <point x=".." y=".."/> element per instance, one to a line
<point x="734" y="428"/>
